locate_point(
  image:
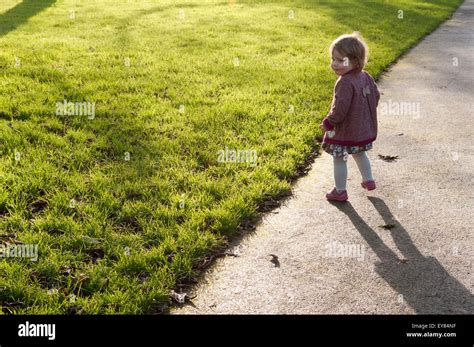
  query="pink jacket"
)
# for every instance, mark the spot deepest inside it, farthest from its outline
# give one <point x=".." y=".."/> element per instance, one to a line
<point x="353" y="114"/>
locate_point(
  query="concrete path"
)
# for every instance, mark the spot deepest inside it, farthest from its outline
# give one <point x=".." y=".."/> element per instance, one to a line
<point x="335" y="257"/>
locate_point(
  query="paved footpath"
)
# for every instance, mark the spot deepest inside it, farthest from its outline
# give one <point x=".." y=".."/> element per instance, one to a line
<point x="335" y="257"/>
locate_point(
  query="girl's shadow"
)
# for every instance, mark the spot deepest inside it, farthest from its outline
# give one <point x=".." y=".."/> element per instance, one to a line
<point x="424" y="284"/>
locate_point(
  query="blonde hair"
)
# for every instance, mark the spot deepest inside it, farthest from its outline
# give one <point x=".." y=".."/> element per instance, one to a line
<point x="353" y="47"/>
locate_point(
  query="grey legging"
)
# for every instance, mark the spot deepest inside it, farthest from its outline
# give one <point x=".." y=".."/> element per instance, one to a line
<point x="340" y="169"/>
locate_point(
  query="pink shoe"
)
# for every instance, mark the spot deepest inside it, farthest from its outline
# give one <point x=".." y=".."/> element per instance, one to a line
<point x="369" y="185"/>
<point x="334" y="195"/>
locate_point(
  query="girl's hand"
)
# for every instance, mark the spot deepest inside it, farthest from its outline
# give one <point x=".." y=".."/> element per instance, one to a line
<point x="321" y="126"/>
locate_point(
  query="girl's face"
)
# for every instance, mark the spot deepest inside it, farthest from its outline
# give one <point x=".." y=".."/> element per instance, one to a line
<point x="340" y="64"/>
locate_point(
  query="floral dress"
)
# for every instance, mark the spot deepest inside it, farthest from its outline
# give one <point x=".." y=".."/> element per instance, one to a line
<point x="343" y="151"/>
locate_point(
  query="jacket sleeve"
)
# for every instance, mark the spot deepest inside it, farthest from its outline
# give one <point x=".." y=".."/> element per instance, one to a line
<point x="376" y="90"/>
<point x="378" y="94"/>
<point x="340" y="105"/>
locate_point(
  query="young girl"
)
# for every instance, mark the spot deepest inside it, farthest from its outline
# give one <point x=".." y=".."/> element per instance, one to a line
<point x="351" y="125"/>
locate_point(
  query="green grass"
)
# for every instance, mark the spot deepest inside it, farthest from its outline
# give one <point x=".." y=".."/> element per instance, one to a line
<point x="119" y="232"/>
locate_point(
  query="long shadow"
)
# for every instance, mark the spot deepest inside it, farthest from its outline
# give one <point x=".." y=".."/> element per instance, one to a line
<point x="19" y="15"/>
<point x="423" y="282"/>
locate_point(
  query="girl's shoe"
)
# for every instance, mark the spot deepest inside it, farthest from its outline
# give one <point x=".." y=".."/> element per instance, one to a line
<point x="369" y="185"/>
<point x="334" y="195"/>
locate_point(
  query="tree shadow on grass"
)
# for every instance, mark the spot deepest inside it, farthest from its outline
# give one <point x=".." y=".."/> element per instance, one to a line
<point x="19" y="15"/>
<point x="423" y="282"/>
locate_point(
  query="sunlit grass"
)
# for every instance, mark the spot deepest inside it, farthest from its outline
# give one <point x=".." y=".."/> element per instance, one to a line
<point x="125" y="204"/>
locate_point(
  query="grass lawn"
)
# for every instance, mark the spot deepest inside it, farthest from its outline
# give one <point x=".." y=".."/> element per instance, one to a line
<point x="126" y="202"/>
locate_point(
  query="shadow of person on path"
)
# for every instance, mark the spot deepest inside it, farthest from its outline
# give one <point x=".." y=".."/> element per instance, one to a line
<point x="423" y="282"/>
<point x="18" y="15"/>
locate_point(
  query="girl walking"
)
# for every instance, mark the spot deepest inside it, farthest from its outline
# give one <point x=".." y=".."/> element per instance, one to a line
<point x="351" y="125"/>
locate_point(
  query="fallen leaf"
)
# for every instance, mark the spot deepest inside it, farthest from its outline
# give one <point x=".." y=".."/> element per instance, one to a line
<point x="54" y="231"/>
<point x="387" y="226"/>
<point x="275" y="260"/>
<point x="388" y="158"/>
<point x="65" y="270"/>
<point x="180" y="298"/>
<point x="38" y="206"/>
<point x="95" y="254"/>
